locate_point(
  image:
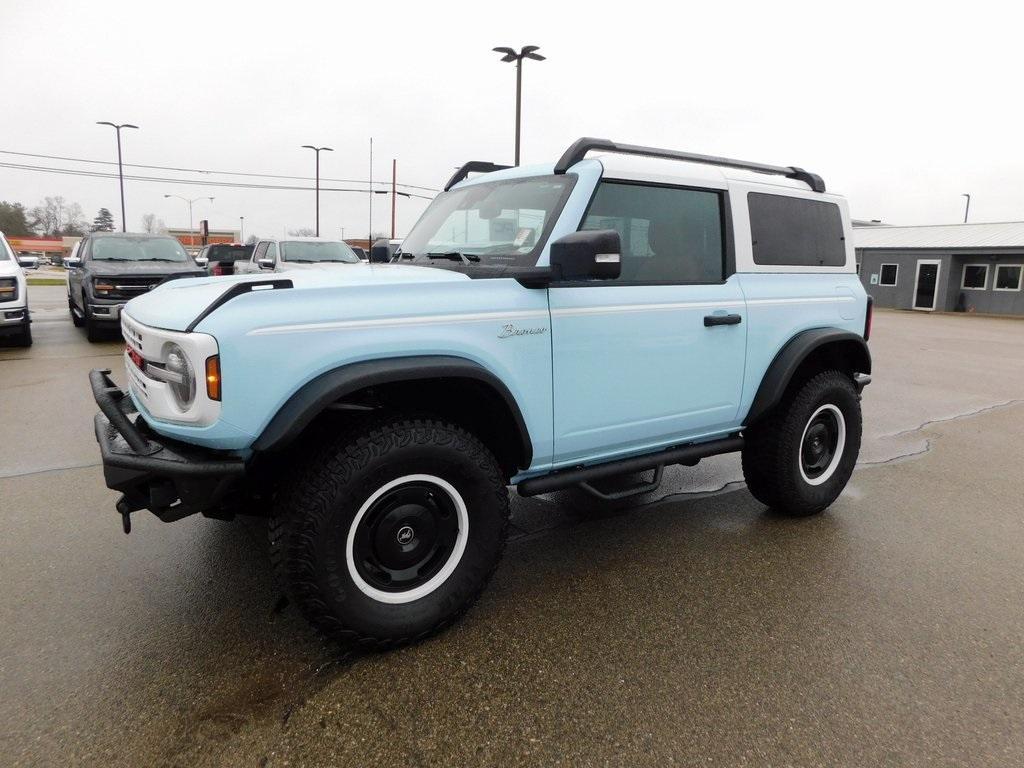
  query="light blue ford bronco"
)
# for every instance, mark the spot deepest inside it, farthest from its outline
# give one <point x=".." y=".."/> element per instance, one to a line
<point x="624" y="309"/>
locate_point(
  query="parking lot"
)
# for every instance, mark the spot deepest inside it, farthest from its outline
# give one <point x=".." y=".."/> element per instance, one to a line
<point x="694" y="628"/>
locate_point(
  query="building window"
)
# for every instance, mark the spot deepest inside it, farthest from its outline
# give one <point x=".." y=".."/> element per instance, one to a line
<point x="888" y="274"/>
<point x="1008" y="277"/>
<point x="975" y="277"/>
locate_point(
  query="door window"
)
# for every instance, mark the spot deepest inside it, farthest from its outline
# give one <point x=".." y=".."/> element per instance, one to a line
<point x="271" y="251"/>
<point x="669" y="234"/>
<point x="258" y="252"/>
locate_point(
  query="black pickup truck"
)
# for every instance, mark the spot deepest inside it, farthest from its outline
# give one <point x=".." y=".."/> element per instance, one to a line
<point x="109" y="268"/>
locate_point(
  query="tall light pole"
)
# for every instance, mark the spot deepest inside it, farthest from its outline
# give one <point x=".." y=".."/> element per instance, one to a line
<point x="120" y="167"/>
<point x="241" y="233"/>
<point x="526" y="52"/>
<point x="318" y="150"/>
<point x="191" y="232"/>
<point x="968" y="208"/>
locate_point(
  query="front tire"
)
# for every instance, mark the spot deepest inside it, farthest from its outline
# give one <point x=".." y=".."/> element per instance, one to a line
<point x="76" y="318"/>
<point x="799" y="459"/>
<point x="24" y="339"/>
<point x="389" y="535"/>
<point x="93" y="332"/>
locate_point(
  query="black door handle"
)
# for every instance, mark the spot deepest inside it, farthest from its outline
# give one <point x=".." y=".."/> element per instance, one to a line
<point x="710" y="320"/>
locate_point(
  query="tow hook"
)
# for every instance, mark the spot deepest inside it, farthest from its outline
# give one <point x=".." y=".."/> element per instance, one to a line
<point x="126" y="520"/>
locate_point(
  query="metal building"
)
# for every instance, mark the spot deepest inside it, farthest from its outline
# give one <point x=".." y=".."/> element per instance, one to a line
<point x="945" y="267"/>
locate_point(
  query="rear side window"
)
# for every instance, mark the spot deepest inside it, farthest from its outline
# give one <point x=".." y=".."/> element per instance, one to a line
<point x="794" y="232"/>
<point x="669" y="234"/>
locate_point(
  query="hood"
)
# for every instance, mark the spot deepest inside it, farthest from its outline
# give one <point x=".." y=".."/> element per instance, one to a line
<point x="141" y="268"/>
<point x="175" y="304"/>
<point x="9" y="267"/>
<point x="319" y="266"/>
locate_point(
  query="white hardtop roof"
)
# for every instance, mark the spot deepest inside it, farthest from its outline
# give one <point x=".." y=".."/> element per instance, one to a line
<point x="628" y="166"/>
<point x="1000" y="234"/>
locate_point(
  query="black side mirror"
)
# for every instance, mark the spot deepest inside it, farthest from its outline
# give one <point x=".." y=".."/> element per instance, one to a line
<point x="266" y="263"/>
<point x="73" y="262"/>
<point x="587" y="255"/>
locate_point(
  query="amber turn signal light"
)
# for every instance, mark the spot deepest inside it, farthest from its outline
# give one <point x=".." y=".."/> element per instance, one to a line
<point x="213" y="377"/>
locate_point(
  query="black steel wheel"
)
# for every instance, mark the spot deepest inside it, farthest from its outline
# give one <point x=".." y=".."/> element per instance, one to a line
<point x="388" y="534"/>
<point x="799" y="459"/>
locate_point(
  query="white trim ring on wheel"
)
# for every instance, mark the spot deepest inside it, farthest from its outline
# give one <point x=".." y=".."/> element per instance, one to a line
<point x="840" y="445"/>
<point x="396" y="598"/>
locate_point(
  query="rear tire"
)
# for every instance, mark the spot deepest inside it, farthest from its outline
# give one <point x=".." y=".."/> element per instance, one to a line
<point x="799" y="459"/>
<point x="387" y="536"/>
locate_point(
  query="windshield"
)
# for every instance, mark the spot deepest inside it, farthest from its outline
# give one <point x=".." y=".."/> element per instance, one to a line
<point x="224" y="253"/>
<point x="498" y="222"/>
<point x="4" y="249"/>
<point x="317" y="250"/>
<point x="137" y="249"/>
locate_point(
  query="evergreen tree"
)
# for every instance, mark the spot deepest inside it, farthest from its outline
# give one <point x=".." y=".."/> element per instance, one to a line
<point x="104" y="221"/>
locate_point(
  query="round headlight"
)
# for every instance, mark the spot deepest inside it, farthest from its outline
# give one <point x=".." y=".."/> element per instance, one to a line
<point x="177" y="362"/>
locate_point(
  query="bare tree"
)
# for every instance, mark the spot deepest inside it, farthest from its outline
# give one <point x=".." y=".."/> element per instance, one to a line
<point x="56" y="216"/>
<point x="251" y="239"/>
<point x="153" y="225"/>
<point x="302" y="232"/>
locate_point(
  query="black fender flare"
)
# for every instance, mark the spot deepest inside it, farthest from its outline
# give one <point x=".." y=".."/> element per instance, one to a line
<point x="779" y="374"/>
<point x="314" y="396"/>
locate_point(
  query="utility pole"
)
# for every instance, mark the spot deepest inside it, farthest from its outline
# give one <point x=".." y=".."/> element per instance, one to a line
<point x="369" y="235"/>
<point x="394" y="173"/>
<point x="120" y="165"/>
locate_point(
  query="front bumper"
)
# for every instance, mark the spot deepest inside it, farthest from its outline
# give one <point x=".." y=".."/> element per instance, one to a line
<point x="106" y="313"/>
<point x="169" y="478"/>
<point x="13" y="320"/>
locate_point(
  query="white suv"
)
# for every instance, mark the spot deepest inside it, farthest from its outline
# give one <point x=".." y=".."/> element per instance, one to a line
<point x="298" y="253"/>
<point x="14" y="319"/>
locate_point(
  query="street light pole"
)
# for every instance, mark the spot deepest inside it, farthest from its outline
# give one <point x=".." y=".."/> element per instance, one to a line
<point x="968" y="208"/>
<point x="526" y="52"/>
<point x="318" y="150"/>
<point x="120" y="165"/>
<point x="191" y="232"/>
<point x="241" y="233"/>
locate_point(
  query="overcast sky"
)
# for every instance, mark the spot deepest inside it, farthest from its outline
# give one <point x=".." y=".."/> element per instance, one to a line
<point x="899" y="106"/>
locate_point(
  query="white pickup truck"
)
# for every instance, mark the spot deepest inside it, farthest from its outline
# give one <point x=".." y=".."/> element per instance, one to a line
<point x="14" y="319"/>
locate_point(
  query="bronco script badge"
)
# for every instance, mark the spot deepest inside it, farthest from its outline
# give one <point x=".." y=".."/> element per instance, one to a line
<point x="510" y="330"/>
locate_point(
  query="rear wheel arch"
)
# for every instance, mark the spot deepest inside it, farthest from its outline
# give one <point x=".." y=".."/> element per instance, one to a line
<point x="805" y="355"/>
<point x="455" y="388"/>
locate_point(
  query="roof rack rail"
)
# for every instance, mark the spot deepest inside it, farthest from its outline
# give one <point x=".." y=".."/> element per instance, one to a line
<point x="473" y="166"/>
<point x="579" y="150"/>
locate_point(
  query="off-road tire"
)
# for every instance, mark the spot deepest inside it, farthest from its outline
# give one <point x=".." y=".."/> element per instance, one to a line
<point x="324" y="497"/>
<point x="772" y="453"/>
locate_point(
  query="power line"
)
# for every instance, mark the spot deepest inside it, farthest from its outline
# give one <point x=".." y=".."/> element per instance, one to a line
<point x="200" y="170"/>
<point x="194" y="182"/>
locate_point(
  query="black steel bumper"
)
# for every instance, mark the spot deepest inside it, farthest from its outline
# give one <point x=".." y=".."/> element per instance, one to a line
<point x="169" y="478"/>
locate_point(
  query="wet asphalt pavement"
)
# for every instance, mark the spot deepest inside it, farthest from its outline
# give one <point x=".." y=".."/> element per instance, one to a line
<point x="693" y="629"/>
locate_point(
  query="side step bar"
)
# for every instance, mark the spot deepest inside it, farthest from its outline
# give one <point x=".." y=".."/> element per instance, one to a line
<point x="684" y="454"/>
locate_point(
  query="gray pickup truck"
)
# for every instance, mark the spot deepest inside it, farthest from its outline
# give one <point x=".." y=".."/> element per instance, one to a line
<point x="109" y="268"/>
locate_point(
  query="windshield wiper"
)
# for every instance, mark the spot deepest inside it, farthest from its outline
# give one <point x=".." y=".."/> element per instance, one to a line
<point x="172" y="260"/>
<point x="465" y="258"/>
